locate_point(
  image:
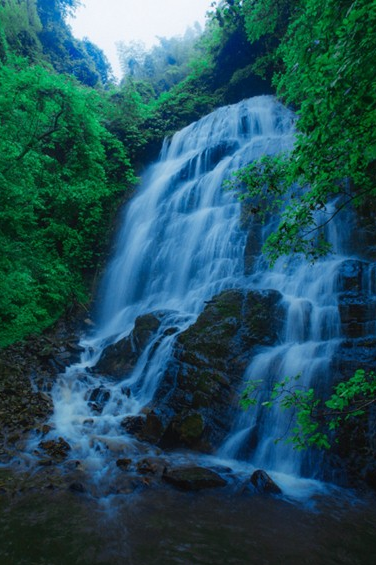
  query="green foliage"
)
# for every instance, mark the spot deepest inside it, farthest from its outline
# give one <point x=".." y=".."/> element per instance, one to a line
<point x="36" y="29"/>
<point x="327" y="54"/>
<point x="162" y="66"/>
<point x="315" y="418"/>
<point x="126" y="115"/>
<point x="21" y="26"/>
<point x="60" y="170"/>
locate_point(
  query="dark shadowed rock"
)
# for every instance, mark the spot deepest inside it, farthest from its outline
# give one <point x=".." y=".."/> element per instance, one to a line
<point x="56" y="448"/>
<point x="147" y="427"/>
<point x="77" y="487"/>
<point x="357" y="300"/>
<point x="370" y="476"/>
<point x="263" y="483"/>
<point x="97" y="398"/>
<point x="184" y="429"/>
<point x="193" y="478"/>
<point x="119" y="359"/>
<point x="147" y="466"/>
<point x="133" y="424"/>
<point x="124" y="463"/>
<point x="202" y="380"/>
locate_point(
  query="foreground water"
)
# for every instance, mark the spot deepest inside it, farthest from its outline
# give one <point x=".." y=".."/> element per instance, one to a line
<point x="165" y="526"/>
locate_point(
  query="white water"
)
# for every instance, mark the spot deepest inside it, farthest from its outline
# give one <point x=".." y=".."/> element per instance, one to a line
<point x="308" y="342"/>
<point x="180" y="245"/>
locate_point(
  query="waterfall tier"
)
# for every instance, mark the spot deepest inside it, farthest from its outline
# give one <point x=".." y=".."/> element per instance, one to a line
<point x="182" y="244"/>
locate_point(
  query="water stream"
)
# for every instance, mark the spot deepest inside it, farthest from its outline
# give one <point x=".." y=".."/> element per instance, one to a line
<point x="181" y="243"/>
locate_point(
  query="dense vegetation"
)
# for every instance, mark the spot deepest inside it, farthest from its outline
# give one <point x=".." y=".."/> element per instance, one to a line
<point x="324" y="60"/>
<point x="61" y="168"/>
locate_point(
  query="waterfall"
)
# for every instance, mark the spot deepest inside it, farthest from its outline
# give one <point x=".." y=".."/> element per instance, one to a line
<point x="180" y="244"/>
<point x="308" y="343"/>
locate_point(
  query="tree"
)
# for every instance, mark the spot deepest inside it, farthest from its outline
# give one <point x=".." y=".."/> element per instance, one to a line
<point x="328" y="76"/>
<point x="60" y="172"/>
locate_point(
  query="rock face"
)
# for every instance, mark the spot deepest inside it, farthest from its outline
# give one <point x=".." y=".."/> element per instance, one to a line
<point x="354" y="456"/>
<point x="28" y="370"/>
<point x="357" y="307"/>
<point x="119" y="359"/>
<point x="193" y="478"/>
<point x="202" y="379"/>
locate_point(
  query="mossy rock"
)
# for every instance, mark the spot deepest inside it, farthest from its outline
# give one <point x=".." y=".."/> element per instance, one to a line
<point x="202" y="380"/>
<point x="185" y="429"/>
<point x="193" y="478"/>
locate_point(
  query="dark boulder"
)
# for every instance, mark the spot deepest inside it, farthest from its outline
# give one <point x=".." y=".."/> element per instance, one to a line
<point x="119" y="359"/>
<point x="147" y="466"/>
<point x="78" y="487"/>
<point x="97" y="398"/>
<point x="356" y="298"/>
<point x="264" y="483"/>
<point x="124" y="463"/>
<point x="133" y="424"/>
<point x="184" y="429"/>
<point x="193" y="478"/>
<point x="147" y="427"/>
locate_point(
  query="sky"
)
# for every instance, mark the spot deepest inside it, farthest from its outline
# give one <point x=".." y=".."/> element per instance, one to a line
<point x="106" y="22"/>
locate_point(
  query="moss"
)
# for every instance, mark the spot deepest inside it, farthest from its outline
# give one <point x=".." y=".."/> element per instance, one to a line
<point x="192" y="427"/>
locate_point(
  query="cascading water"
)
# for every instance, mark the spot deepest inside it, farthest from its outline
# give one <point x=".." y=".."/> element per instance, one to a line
<point x="181" y="243"/>
<point x="309" y="339"/>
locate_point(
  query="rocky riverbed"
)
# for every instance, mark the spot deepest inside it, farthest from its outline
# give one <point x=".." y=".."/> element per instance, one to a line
<point x="191" y="407"/>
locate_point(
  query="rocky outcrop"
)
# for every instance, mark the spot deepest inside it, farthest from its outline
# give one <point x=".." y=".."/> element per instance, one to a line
<point x="263" y="483"/>
<point x="28" y="370"/>
<point x="357" y="298"/>
<point x="193" y="478"/>
<point x="202" y="380"/>
<point x="353" y="456"/>
<point x="119" y="359"/>
<point x="57" y="449"/>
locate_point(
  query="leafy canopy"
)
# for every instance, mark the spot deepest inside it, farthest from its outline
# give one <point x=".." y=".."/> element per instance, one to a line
<point x="60" y="169"/>
<point x="327" y="74"/>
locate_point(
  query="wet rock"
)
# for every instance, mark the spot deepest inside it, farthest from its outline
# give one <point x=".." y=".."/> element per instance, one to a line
<point x="263" y="317"/>
<point x="357" y="300"/>
<point x="153" y="428"/>
<point x="57" y="449"/>
<point x="185" y="429"/>
<point x="146" y="466"/>
<point x="77" y="487"/>
<point x="193" y="478"/>
<point x="124" y="463"/>
<point x="264" y="483"/>
<point x="75" y="348"/>
<point x="98" y="398"/>
<point x="133" y="424"/>
<point x="147" y="427"/>
<point x="202" y="380"/>
<point x="119" y="359"/>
